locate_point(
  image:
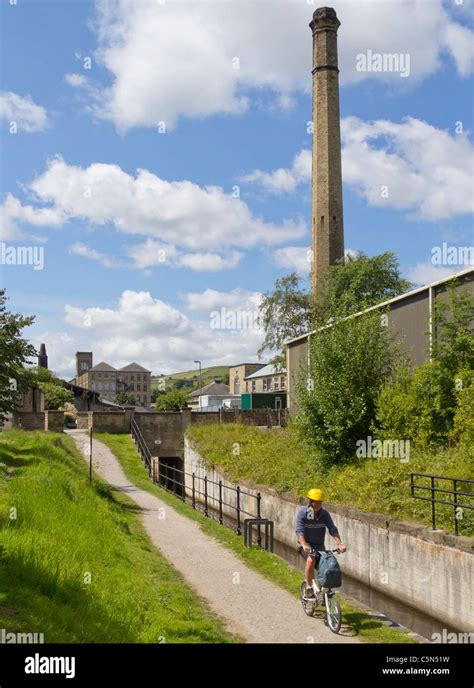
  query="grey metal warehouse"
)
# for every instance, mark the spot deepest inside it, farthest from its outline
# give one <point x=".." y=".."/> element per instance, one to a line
<point x="409" y="315"/>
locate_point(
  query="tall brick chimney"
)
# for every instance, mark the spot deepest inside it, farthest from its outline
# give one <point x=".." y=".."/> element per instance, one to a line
<point x="327" y="229"/>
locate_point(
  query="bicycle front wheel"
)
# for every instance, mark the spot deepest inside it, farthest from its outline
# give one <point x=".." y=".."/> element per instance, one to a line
<point x="333" y="611"/>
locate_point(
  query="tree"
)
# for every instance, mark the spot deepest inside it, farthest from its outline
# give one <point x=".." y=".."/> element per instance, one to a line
<point x="358" y="282"/>
<point x="55" y="395"/>
<point x="351" y="285"/>
<point x="125" y="399"/>
<point x="349" y="362"/>
<point x="286" y="313"/>
<point x="428" y="406"/>
<point x="155" y="393"/>
<point x="15" y="353"/>
<point x="172" y="401"/>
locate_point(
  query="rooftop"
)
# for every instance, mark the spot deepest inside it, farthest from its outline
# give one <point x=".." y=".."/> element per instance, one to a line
<point x="211" y="388"/>
<point x="267" y="370"/>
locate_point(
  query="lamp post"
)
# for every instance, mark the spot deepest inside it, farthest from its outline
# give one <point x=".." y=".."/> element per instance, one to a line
<point x="200" y="380"/>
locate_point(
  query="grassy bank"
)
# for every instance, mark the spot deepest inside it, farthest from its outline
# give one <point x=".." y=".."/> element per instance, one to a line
<point x="367" y="627"/>
<point x="76" y="564"/>
<point x="280" y="459"/>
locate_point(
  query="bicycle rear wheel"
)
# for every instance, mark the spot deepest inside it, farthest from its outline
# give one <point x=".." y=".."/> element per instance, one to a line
<point x="309" y="606"/>
<point x="333" y="611"/>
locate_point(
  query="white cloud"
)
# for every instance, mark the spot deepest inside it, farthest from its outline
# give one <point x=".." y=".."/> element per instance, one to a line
<point x="424" y="273"/>
<point x="182" y="214"/>
<point x="294" y="258"/>
<point x="80" y="249"/>
<point x="211" y="300"/>
<point x="408" y="166"/>
<point x="169" y="60"/>
<point x="210" y="262"/>
<point x="157" y="335"/>
<point x="460" y="43"/>
<point x="75" y="80"/>
<point x="282" y="180"/>
<point x="28" y="116"/>
<point x="13" y="212"/>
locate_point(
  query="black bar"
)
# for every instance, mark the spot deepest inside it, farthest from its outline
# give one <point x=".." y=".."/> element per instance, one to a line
<point x="433" y="515"/>
<point x="220" y="502"/>
<point x="205" y="496"/>
<point x="455" y="507"/>
<point x="194" y="491"/>
<point x="259" y="529"/>
<point x="239" y="531"/>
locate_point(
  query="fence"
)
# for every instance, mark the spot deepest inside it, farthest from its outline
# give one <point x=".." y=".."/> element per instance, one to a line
<point x="141" y="445"/>
<point x="199" y="487"/>
<point x="434" y="489"/>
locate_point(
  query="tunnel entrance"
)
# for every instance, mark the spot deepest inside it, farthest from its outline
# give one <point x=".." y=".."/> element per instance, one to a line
<point x="171" y="474"/>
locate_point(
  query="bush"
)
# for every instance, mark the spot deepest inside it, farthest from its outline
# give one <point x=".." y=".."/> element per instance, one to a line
<point x="349" y="363"/>
<point x="463" y="421"/>
<point x="418" y="406"/>
<point x="172" y="401"/>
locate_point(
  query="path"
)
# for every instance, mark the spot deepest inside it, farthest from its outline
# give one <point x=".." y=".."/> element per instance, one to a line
<point x="251" y="605"/>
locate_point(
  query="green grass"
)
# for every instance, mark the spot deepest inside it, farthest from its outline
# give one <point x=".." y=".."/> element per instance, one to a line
<point x="359" y="622"/>
<point x="66" y="530"/>
<point x="281" y="460"/>
<point x="208" y="375"/>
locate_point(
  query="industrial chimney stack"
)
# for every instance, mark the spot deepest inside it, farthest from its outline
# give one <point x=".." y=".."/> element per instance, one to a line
<point x="327" y="228"/>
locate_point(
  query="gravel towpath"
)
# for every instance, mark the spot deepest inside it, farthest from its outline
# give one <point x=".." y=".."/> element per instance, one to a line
<point x="250" y="605"/>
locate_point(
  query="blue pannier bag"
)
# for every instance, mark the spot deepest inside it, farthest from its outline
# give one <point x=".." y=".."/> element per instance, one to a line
<point x="329" y="572"/>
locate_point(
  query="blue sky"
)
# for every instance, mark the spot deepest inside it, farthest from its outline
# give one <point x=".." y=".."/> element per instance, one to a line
<point x="136" y="262"/>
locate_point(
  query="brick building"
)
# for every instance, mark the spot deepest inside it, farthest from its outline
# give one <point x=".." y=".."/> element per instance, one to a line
<point x="108" y="381"/>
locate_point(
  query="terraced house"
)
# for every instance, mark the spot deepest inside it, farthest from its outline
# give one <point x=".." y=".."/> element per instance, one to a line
<point x="132" y="379"/>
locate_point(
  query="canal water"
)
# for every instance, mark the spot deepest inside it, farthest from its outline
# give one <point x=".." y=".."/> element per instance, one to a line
<point x="382" y="606"/>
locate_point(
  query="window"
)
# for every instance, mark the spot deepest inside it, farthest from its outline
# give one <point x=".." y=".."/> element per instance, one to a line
<point x="277" y="384"/>
<point x="83" y="365"/>
<point x="264" y="384"/>
<point x="138" y="387"/>
<point x="236" y="385"/>
<point x="132" y="377"/>
<point x="270" y="383"/>
<point x="144" y="388"/>
<point x="106" y="385"/>
<point x="282" y="382"/>
<point x="254" y="386"/>
<point x="132" y="387"/>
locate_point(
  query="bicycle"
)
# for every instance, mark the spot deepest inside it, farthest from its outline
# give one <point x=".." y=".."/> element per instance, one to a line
<point x="326" y="597"/>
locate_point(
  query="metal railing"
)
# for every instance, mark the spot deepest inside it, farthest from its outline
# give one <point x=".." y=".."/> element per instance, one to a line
<point x="199" y="487"/>
<point x="433" y="489"/>
<point x="142" y="447"/>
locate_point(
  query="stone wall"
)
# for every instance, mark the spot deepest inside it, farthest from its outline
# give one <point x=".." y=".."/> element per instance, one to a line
<point x="429" y="570"/>
<point x="54" y="421"/>
<point x="168" y="427"/>
<point x="29" y="420"/>
<point x="84" y="420"/>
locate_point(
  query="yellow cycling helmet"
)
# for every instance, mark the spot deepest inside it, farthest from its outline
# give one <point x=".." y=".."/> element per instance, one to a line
<point x="316" y="495"/>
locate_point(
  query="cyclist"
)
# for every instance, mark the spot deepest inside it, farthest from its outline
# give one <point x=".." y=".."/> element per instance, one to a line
<point x="311" y="524"/>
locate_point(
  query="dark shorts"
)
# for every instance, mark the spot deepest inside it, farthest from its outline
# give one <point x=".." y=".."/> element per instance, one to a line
<point x="314" y="554"/>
